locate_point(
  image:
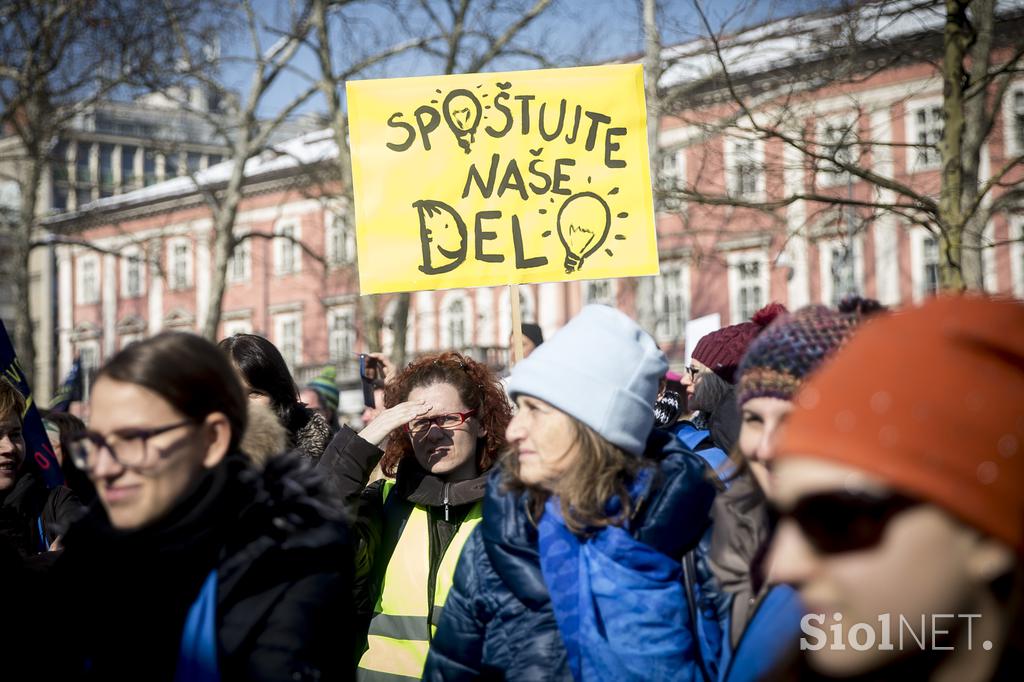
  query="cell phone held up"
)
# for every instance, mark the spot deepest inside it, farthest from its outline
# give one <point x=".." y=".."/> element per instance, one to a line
<point x="370" y="370"/>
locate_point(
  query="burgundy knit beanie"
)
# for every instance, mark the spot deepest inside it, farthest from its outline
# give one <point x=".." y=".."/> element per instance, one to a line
<point x="722" y="350"/>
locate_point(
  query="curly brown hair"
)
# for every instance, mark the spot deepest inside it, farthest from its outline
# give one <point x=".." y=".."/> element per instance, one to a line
<point x="478" y="388"/>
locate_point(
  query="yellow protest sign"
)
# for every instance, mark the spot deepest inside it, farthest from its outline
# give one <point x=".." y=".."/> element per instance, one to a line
<point x="501" y="178"/>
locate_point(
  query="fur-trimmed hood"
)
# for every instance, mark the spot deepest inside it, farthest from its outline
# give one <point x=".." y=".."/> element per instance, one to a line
<point x="265" y="435"/>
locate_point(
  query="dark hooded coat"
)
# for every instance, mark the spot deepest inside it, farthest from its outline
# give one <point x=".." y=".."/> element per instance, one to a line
<point x="283" y="565"/>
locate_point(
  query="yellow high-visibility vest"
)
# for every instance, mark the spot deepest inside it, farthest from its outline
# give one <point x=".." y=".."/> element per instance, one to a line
<point x="403" y="622"/>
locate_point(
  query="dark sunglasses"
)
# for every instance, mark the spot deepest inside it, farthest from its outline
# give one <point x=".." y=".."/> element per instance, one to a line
<point x="846" y="521"/>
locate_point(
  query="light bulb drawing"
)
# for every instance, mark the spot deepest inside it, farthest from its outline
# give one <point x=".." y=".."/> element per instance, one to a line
<point x="462" y="112"/>
<point x="583" y="222"/>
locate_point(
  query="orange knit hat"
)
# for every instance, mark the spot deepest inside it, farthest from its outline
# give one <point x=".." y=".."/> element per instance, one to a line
<point x="931" y="401"/>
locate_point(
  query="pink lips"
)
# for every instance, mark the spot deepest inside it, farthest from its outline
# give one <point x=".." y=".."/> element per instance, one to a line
<point x="116" y="494"/>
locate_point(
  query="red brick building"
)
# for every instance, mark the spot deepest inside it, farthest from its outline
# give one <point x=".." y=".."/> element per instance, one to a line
<point x="154" y="271"/>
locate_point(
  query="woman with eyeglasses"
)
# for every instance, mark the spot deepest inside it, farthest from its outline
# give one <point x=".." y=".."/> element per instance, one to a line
<point x="576" y="571"/>
<point x="444" y="424"/>
<point x="899" y="478"/>
<point x="195" y="566"/>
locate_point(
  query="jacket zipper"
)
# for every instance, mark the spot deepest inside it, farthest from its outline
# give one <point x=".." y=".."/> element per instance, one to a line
<point x="445" y="500"/>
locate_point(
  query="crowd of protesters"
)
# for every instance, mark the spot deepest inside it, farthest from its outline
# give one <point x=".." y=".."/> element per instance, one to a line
<point x="818" y="494"/>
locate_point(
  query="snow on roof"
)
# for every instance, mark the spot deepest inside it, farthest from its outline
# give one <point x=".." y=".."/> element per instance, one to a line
<point x="785" y="42"/>
<point x="305" y="150"/>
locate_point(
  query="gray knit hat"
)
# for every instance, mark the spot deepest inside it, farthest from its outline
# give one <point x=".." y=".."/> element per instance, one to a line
<point x="602" y="369"/>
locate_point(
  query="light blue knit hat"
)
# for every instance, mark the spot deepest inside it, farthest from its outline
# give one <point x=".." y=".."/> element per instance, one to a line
<point x="602" y="369"/>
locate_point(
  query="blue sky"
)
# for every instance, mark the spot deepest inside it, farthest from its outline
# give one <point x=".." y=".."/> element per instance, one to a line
<point x="570" y="32"/>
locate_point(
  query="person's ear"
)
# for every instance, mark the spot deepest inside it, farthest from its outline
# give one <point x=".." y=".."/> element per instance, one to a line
<point x="990" y="559"/>
<point x="217" y="430"/>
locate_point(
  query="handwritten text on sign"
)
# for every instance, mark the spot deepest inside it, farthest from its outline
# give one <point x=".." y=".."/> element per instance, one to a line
<point x="488" y="179"/>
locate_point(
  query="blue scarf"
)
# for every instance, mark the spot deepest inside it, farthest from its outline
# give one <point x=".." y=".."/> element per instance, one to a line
<point x="620" y="604"/>
<point x="197" y="657"/>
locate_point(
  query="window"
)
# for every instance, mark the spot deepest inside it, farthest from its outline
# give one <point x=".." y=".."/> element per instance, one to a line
<point x="288" y="338"/>
<point x="673" y="168"/>
<point x="89" y="356"/>
<point x="599" y="291"/>
<point x="341" y="239"/>
<point x="179" y="263"/>
<point x="88" y="285"/>
<point x="192" y="162"/>
<point x="751" y="295"/>
<point x="748" y="284"/>
<point x="132" y="273"/>
<point x="925" y="276"/>
<point x="287" y="253"/>
<point x="59" y="161"/>
<point x="106" y="165"/>
<point x="1013" y="119"/>
<point x="744" y="160"/>
<point x="148" y="167"/>
<point x="60" y="198"/>
<point x="926" y="124"/>
<point x="82" y="173"/>
<point x="930" y="265"/>
<point x="672" y="177"/>
<point x="841" y="268"/>
<point x="836" y="141"/>
<point x="240" y="262"/>
<point x="83" y="195"/>
<point x="128" y="164"/>
<point x="171" y="165"/>
<point x="214" y="159"/>
<point x="670" y="301"/>
<point x="341" y="338"/>
<point x="841" y="273"/>
<point x="454" y="330"/>
<point x="1017" y="255"/>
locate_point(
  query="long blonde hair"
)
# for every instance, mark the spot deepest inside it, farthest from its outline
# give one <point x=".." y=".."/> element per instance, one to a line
<point x="602" y="471"/>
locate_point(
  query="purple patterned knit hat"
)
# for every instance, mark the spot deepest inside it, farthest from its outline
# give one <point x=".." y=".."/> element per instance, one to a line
<point x="791" y="348"/>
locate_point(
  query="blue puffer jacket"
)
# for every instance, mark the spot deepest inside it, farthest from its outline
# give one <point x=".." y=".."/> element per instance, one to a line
<point x="498" y="622"/>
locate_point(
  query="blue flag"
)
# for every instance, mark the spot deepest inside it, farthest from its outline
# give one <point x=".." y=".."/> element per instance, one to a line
<point x="37" y="444"/>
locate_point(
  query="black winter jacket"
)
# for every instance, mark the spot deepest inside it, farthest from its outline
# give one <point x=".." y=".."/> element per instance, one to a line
<point x="283" y="585"/>
<point x="498" y="621"/>
<point x="32" y="516"/>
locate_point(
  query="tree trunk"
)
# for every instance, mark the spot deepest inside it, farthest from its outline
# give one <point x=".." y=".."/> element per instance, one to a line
<point x="644" y="300"/>
<point x="371" y="322"/>
<point x="224" y="245"/>
<point x="400" y="329"/>
<point x="975" y="134"/>
<point x="951" y="218"/>
<point x="24" y="341"/>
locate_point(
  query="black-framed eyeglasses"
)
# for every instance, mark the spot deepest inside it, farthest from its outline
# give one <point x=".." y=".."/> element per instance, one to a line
<point x="692" y="371"/>
<point x="846" y="521"/>
<point x="445" y="421"/>
<point x="131" y="452"/>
